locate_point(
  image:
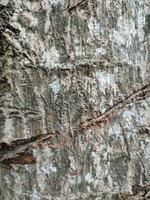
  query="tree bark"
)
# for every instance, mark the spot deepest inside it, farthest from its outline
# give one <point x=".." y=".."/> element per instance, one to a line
<point x="74" y="99"/>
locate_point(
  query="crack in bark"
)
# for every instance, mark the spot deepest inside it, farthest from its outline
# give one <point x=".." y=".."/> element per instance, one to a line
<point x="78" y="4"/>
<point x="23" y="158"/>
<point x="140" y="94"/>
<point x="4" y="24"/>
<point x="20" y="151"/>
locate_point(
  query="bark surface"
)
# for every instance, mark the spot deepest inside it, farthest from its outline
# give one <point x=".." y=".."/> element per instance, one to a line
<point x="74" y="100"/>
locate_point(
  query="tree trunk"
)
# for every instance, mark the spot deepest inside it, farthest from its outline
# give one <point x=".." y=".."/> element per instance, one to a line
<point x="74" y="99"/>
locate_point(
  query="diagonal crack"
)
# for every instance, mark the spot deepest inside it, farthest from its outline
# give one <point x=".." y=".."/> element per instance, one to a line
<point x="20" y="151"/>
<point x="78" y="4"/>
<point x="140" y="94"/>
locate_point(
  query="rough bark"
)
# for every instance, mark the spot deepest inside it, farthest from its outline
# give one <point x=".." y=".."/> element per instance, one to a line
<point x="74" y="99"/>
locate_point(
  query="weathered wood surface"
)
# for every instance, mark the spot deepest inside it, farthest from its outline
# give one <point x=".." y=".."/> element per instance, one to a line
<point x="74" y="99"/>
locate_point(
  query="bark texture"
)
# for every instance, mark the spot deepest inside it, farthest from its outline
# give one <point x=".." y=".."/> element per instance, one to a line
<point x="74" y="100"/>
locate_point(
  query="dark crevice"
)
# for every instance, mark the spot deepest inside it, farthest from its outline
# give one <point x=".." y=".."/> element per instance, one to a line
<point x="20" y="151"/>
<point x="78" y="4"/>
<point x="13" y="144"/>
<point x="6" y="12"/>
<point x="23" y="158"/>
<point x="138" y="191"/>
<point x="138" y="188"/>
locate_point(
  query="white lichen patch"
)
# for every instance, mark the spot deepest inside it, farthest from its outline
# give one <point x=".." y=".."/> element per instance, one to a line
<point x="114" y="129"/>
<point x="79" y="51"/>
<point x="94" y="27"/>
<point x="100" y="51"/>
<point x="94" y="157"/>
<point x="47" y="4"/>
<point x="35" y="195"/>
<point x="136" y="117"/>
<point x="56" y="2"/>
<point x="48" y="168"/>
<point x="73" y="164"/>
<point x="129" y="32"/>
<point x="110" y="181"/>
<point x="128" y="114"/>
<point x="72" y="180"/>
<point x="125" y="32"/>
<point x="8" y="130"/>
<point x="55" y="86"/>
<point x="88" y="189"/>
<point x="143" y="117"/>
<point x="145" y="146"/>
<point x="106" y="81"/>
<point x="88" y="178"/>
<point x="50" y="57"/>
<point x="44" y="168"/>
<point x="33" y="21"/>
<point x="35" y="6"/>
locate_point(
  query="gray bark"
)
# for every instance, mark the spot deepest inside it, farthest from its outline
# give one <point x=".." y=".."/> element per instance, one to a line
<point x="74" y="99"/>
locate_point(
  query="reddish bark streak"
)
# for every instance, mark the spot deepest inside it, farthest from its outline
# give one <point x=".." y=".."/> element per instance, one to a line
<point x="140" y="94"/>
